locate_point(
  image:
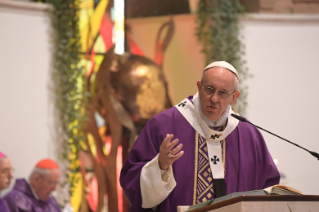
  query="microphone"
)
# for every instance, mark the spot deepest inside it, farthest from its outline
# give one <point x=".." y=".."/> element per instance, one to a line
<point x="315" y="154"/>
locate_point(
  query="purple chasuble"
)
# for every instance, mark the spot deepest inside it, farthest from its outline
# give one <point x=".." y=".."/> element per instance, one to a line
<point x="3" y="206"/>
<point x="249" y="165"/>
<point x="21" y="199"/>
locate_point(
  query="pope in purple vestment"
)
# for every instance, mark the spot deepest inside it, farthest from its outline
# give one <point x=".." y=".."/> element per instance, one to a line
<point x="22" y="199"/>
<point x="247" y="162"/>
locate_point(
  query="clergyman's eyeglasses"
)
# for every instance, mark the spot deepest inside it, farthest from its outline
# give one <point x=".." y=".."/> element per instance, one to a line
<point x="221" y="94"/>
<point x="7" y="171"/>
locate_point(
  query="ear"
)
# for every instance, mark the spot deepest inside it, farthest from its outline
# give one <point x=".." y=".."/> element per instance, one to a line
<point x="235" y="96"/>
<point x="36" y="178"/>
<point x="199" y="86"/>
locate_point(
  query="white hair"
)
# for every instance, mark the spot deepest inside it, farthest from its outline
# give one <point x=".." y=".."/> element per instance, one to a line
<point x="38" y="171"/>
<point x="3" y="158"/>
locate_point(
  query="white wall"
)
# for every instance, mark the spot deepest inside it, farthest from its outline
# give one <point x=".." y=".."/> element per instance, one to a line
<point x="282" y="52"/>
<point x="25" y="98"/>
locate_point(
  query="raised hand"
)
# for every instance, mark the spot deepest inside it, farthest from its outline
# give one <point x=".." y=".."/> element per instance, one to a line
<point x="168" y="154"/>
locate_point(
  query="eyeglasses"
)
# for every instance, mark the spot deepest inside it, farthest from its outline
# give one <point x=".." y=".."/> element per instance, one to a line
<point x="53" y="183"/>
<point x="7" y="171"/>
<point x="48" y="181"/>
<point x="221" y="94"/>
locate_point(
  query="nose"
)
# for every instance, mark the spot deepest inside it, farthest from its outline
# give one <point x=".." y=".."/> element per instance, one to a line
<point x="54" y="187"/>
<point x="214" y="97"/>
<point x="10" y="174"/>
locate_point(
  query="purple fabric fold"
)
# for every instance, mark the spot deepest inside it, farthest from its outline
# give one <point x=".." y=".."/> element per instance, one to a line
<point x="21" y="199"/>
<point x="3" y="206"/>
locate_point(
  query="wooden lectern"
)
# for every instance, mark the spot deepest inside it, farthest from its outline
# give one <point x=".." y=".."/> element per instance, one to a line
<point x="265" y="203"/>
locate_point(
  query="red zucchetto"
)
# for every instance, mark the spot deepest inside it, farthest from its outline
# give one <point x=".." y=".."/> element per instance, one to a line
<point x="47" y="164"/>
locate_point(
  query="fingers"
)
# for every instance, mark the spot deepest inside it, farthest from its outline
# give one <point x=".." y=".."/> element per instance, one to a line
<point x="167" y="144"/>
<point x="168" y="154"/>
<point x="176" y="150"/>
<point x="167" y="140"/>
<point x="178" y="155"/>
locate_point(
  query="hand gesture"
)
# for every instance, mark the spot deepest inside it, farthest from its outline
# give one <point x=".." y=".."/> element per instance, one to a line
<point x="168" y="154"/>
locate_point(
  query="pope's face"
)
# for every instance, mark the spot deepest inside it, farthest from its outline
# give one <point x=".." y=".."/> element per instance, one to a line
<point x="5" y="173"/>
<point x="45" y="185"/>
<point x="222" y="80"/>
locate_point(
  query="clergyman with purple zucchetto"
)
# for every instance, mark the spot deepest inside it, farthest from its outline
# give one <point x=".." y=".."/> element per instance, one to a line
<point x="5" y="178"/>
<point x="196" y="151"/>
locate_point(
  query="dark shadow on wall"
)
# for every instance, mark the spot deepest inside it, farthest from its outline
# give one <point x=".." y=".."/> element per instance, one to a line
<point x="147" y="8"/>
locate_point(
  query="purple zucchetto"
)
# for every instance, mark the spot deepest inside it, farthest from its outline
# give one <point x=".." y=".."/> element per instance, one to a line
<point x="2" y="155"/>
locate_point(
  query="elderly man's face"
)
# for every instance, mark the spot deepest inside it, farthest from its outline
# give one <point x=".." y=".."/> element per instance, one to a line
<point x="5" y="173"/>
<point x="221" y="80"/>
<point x="45" y="185"/>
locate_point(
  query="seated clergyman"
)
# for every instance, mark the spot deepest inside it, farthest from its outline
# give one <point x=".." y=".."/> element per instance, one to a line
<point x="5" y="178"/>
<point x="35" y="194"/>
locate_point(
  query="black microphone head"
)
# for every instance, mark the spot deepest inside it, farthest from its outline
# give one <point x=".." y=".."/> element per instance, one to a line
<point x="238" y="117"/>
<point x="315" y="154"/>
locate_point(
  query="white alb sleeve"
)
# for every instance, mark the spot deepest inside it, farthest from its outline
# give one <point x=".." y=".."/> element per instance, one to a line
<point x="153" y="189"/>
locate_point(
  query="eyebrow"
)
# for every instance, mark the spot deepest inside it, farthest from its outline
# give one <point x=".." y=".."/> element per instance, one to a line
<point x="216" y="89"/>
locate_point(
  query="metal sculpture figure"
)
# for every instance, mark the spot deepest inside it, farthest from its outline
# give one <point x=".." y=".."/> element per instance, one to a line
<point x="128" y="90"/>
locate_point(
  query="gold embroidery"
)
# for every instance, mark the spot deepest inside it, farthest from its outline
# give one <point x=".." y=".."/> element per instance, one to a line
<point x="204" y="154"/>
<point x="201" y="186"/>
<point x="224" y="154"/>
<point x="204" y="167"/>
<point x="204" y="186"/>
<point x="196" y="166"/>
<point x="203" y="180"/>
<point x="208" y="189"/>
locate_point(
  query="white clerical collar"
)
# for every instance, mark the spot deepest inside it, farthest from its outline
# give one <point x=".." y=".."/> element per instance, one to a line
<point x="188" y="110"/>
<point x="215" y="123"/>
<point x="213" y="138"/>
<point x="33" y="192"/>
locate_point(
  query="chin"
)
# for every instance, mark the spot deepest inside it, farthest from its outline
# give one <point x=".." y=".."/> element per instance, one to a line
<point x="6" y="185"/>
<point x="211" y="116"/>
<point x="44" y="199"/>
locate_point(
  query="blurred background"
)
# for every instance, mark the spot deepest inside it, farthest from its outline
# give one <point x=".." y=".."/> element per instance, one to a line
<point x="279" y="56"/>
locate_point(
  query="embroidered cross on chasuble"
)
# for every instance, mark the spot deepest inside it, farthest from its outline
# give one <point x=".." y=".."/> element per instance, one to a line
<point x="204" y="182"/>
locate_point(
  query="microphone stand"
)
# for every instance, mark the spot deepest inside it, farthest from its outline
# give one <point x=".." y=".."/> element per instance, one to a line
<point x="315" y="154"/>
